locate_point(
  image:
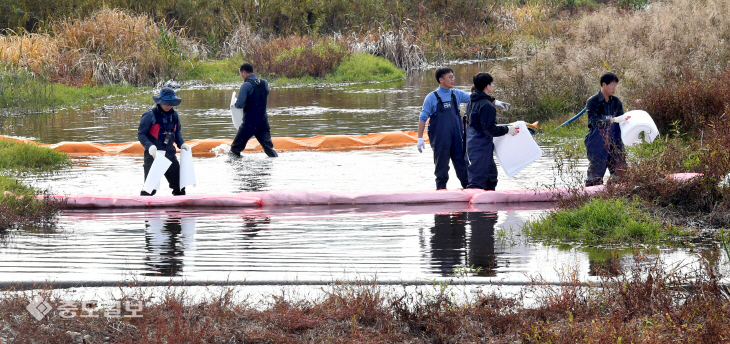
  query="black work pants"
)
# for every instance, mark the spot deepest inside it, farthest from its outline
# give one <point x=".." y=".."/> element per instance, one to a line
<point x="262" y="134"/>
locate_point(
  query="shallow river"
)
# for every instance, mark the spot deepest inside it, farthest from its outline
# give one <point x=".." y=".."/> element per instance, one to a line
<point x="279" y="245"/>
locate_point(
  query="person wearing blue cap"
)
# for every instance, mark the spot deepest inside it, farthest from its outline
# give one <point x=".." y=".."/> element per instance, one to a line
<point x="158" y="129"/>
<point x="252" y="99"/>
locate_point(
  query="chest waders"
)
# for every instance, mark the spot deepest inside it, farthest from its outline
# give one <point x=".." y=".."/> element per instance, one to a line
<point x="480" y="148"/>
<point x="445" y="132"/>
<point x="255" y="120"/>
<point x="162" y="135"/>
<point x="604" y="147"/>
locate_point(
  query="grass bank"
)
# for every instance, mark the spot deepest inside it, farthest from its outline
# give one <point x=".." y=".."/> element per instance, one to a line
<point x="22" y="92"/>
<point x="644" y="302"/>
<point x="354" y="68"/>
<point x="603" y="221"/>
<point x="19" y="205"/>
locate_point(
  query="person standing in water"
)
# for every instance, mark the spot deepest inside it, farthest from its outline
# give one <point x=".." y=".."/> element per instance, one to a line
<point x="480" y="131"/>
<point x="252" y="99"/>
<point x="445" y="128"/>
<point x="158" y="129"/>
<point x="603" y="142"/>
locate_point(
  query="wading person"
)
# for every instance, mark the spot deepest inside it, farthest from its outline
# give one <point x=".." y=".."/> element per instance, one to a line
<point x="603" y="142"/>
<point x="445" y="128"/>
<point x="158" y="130"/>
<point x="252" y="99"/>
<point x="480" y="131"/>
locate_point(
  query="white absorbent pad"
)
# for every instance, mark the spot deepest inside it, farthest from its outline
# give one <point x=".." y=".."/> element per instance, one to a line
<point x="640" y="122"/>
<point x="516" y="152"/>
<point x="236" y="113"/>
<point x="157" y="170"/>
<point x="187" y="173"/>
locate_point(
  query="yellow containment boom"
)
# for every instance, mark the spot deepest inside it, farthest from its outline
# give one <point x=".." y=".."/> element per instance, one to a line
<point x="202" y="148"/>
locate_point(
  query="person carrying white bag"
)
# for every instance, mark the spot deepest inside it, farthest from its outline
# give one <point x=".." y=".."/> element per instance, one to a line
<point x="480" y="131"/>
<point x="159" y="128"/>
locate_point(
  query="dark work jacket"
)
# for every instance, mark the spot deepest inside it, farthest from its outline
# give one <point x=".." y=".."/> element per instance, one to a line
<point x="482" y="114"/>
<point x="252" y="98"/>
<point x="154" y="124"/>
<point x="600" y="112"/>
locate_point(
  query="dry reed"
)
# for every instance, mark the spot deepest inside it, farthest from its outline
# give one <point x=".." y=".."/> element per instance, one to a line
<point x="652" y="46"/>
<point x="33" y="51"/>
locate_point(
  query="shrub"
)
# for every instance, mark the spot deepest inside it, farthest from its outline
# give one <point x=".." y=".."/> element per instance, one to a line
<point x="690" y="104"/>
<point x="298" y="56"/>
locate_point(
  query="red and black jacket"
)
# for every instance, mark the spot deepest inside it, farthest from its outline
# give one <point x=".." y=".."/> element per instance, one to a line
<point x="153" y="127"/>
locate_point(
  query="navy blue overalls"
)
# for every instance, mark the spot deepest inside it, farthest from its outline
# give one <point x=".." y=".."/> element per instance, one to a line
<point x="255" y="120"/>
<point x="480" y="147"/>
<point x="603" y="142"/>
<point x="162" y="134"/>
<point x="445" y="132"/>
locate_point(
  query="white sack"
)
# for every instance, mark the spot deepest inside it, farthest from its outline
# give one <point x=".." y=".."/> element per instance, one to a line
<point x="157" y="170"/>
<point x="236" y="113"/>
<point x="516" y="152"/>
<point x="187" y="173"/>
<point x="639" y="122"/>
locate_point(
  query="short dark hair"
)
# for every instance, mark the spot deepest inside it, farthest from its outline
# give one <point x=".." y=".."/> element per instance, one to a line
<point x="246" y="67"/>
<point x="441" y="72"/>
<point x="608" y="78"/>
<point x="482" y="80"/>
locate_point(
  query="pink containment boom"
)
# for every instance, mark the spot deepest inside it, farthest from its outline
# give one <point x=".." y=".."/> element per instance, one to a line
<point x="279" y="198"/>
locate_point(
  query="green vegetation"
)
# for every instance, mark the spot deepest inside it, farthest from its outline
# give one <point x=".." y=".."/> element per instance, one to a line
<point x="19" y="203"/>
<point x="214" y="71"/>
<point x="29" y="157"/>
<point x="602" y="221"/>
<point x="22" y="92"/>
<point x="364" y="68"/>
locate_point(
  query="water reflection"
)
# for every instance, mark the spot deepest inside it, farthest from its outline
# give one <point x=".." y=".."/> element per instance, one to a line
<point x="252" y="172"/>
<point x="166" y="242"/>
<point x="252" y="225"/>
<point x="453" y="246"/>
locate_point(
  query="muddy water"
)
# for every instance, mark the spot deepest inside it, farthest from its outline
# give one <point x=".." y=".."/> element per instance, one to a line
<point x="396" y="243"/>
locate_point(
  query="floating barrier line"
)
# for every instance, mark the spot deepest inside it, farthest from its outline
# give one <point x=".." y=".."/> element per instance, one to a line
<point x="203" y="148"/>
<point x="302" y="198"/>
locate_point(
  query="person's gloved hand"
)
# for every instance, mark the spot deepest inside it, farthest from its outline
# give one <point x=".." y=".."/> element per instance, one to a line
<point x="503" y="105"/>
<point x="153" y="151"/>
<point x="513" y="130"/>
<point x="185" y="146"/>
<point x="420" y="144"/>
<point x="621" y="118"/>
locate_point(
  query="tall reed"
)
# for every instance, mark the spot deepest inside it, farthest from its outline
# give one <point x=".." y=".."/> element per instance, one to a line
<point x="646" y="48"/>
